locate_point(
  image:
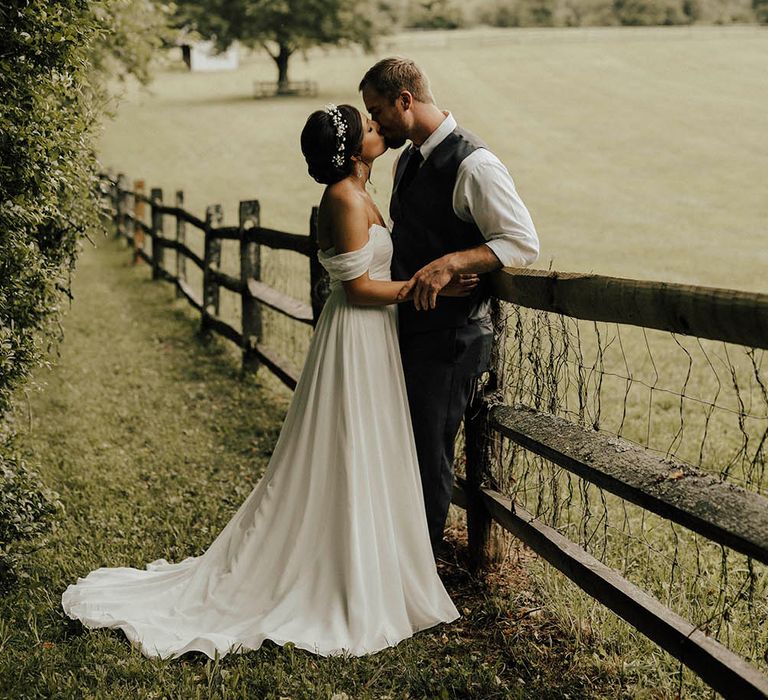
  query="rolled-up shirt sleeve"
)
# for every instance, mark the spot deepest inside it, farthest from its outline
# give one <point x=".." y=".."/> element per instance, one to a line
<point x="485" y="193"/>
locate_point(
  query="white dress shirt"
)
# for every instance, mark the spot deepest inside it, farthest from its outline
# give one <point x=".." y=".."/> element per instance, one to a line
<point x="485" y="194"/>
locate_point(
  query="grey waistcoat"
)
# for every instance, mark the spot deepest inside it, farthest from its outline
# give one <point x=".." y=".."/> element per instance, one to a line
<point x="426" y="227"/>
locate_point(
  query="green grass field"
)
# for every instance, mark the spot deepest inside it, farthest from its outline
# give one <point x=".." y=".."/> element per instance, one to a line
<point x="640" y="153"/>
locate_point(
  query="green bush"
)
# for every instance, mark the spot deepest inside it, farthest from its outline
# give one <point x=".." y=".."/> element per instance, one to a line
<point x="518" y="13"/>
<point x="27" y="510"/>
<point x="500" y="14"/>
<point x="650" y="12"/>
<point x="727" y="11"/>
<point x="55" y="61"/>
<point x="437" y="14"/>
<point x="587" y="13"/>
<point x="54" y="66"/>
<point x="590" y="13"/>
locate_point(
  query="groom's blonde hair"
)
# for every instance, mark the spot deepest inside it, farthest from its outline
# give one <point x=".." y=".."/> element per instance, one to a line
<point x="390" y="76"/>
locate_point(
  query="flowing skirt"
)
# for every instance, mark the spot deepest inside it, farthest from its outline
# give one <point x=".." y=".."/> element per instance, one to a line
<point x="330" y="551"/>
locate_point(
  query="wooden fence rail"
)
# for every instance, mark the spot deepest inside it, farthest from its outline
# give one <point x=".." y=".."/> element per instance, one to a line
<point x="125" y="204"/>
<point x="724" y="513"/>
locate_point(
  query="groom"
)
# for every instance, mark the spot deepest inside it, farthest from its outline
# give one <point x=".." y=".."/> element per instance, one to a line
<point x="454" y="209"/>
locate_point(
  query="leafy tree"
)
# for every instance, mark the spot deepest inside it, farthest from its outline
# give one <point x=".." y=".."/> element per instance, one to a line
<point x="283" y="27"/>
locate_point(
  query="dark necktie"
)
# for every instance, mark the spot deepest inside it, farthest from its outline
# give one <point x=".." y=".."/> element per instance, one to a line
<point x="411" y="168"/>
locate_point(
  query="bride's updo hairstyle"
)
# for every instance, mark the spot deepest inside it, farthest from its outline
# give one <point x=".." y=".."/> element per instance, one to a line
<point x="329" y="139"/>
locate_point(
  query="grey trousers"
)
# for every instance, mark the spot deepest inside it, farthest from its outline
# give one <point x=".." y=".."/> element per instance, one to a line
<point x="440" y="370"/>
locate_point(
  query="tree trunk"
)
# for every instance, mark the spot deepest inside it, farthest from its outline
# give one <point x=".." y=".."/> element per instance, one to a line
<point x="282" y="68"/>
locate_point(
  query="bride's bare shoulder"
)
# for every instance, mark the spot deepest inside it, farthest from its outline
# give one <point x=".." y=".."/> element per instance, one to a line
<point x="343" y="216"/>
<point x="342" y="196"/>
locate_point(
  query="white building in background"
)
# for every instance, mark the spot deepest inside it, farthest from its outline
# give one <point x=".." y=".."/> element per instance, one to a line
<point x="201" y="56"/>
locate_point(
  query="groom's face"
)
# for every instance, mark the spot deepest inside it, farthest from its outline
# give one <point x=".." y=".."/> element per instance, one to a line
<point x="390" y="117"/>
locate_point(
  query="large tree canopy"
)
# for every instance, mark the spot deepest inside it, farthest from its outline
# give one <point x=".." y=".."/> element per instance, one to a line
<point x="282" y="27"/>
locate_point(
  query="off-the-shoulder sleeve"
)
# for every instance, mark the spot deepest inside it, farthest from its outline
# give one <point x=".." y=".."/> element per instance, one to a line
<point x="348" y="266"/>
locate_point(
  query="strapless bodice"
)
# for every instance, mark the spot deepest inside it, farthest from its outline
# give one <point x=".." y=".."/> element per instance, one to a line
<point x="374" y="258"/>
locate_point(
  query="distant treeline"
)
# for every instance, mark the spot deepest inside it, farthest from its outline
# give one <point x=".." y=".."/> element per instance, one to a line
<point x="453" y="14"/>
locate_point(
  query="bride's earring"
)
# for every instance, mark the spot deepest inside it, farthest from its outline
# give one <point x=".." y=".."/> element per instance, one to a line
<point x="359" y="171"/>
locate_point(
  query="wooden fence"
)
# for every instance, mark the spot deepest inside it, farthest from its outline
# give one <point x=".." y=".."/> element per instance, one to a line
<point x="724" y="513"/>
<point x="127" y="204"/>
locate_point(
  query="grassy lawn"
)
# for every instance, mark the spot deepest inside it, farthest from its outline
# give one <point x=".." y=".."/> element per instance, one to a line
<point x="153" y="441"/>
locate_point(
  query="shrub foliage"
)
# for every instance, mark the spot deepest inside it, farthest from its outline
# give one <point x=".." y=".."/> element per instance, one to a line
<point x="27" y="509"/>
<point x="55" y="64"/>
<point x="448" y="14"/>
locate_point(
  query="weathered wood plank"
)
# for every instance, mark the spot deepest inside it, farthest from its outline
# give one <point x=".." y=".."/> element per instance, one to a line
<point x="723" y="670"/>
<point x="138" y="223"/>
<point x="215" y="324"/>
<point x="142" y="254"/>
<point x="181" y="248"/>
<point x="720" y="511"/>
<point x="281" y="368"/>
<point x="281" y="240"/>
<point x="141" y="197"/>
<point x="182" y="214"/>
<point x="227" y="281"/>
<point x="278" y="301"/>
<point x="707" y="312"/>
<point x="144" y="227"/>
<point x="226" y="233"/>
<point x="188" y="292"/>
<point x="271" y="238"/>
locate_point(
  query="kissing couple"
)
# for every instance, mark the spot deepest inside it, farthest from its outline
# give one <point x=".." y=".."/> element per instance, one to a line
<point x="334" y="549"/>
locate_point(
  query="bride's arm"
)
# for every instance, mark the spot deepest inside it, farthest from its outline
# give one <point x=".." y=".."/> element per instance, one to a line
<point x="349" y="226"/>
<point x="347" y="217"/>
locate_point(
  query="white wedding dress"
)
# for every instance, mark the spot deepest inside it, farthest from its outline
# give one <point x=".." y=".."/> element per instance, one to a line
<point x="330" y="550"/>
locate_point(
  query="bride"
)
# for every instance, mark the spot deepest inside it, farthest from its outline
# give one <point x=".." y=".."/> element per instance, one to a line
<point x="330" y="551"/>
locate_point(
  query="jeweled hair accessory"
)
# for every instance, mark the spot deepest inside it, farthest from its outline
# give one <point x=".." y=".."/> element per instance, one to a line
<point x="341" y="134"/>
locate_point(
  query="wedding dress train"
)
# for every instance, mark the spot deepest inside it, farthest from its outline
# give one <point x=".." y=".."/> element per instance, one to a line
<point x="330" y="551"/>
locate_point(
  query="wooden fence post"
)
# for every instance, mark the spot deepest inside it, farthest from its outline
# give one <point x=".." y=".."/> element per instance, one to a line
<point x="318" y="277"/>
<point x="114" y="198"/>
<point x="482" y="445"/>
<point x="250" y="268"/>
<point x="129" y="227"/>
<point x="122" y="188"/>
<point x="478" y="518"/>
<point x="157" y="233"/>
<point x="139" y="211"/>
<point x="211" y="260"/>
<point x="181" y="237"/>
